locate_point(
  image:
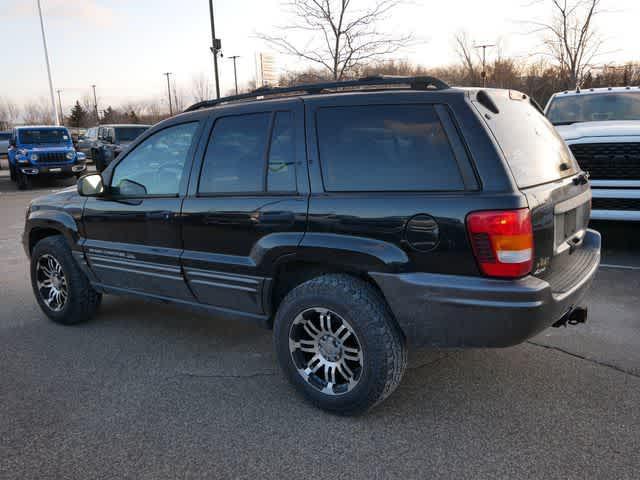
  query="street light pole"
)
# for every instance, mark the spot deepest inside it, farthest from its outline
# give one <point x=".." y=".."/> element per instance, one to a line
<point x="46" y="57"/>
<point x="484" y="61"/>
<point x="215" y="47"/>
<point x="235" y="74"/>
<point x="95" y="104"/>
<point x="60" y="105"/>
<point x="169" y="92"/>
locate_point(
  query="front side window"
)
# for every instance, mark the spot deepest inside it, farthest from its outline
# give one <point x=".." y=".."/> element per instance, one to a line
<point x="156" y="166"/>
<point x="235" y="158"/>
<point x="385" y="148"/>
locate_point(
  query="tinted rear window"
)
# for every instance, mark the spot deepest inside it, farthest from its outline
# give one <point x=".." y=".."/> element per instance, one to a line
<point x="5" y="136"/>
<point x="533" y="149"/>
<point x="385" y="148"/>
<point x="127" y="134"/>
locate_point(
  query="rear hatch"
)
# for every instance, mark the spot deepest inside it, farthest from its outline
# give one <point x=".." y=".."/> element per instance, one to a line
<point x="556" y="190"/>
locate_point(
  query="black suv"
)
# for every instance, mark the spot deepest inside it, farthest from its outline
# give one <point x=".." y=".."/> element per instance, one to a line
<point x="113" y="140"/>
<point x="355" y="218"/>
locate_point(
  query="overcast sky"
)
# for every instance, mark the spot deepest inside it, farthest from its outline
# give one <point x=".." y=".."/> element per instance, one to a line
<point x="124" y="46"/>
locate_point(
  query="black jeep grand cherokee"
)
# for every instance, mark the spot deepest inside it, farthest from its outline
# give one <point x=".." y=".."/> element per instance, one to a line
<point x="354" y="218"/>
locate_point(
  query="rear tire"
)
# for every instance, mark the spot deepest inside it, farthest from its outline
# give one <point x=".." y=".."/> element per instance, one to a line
<point x="333" y="321"/>
<point x="61" y="288"/>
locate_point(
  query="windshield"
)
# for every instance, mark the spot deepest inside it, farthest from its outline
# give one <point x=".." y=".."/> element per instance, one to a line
<point x="594" y="108"/>
<point x="44" y="135"/>
<point x="129" y="133"/>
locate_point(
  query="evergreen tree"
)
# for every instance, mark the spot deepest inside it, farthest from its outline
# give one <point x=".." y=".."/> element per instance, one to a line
<point x="133" y="118"/>
<point x="108" y="115"/>
<point x="78" y="116"/>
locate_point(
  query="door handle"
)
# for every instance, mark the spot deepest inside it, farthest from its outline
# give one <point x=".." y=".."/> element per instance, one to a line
<point x="276" y="217"/>
<point x="163" y="215"/>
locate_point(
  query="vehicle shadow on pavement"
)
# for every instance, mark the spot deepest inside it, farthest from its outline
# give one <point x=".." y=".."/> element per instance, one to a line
<point x="204" y="394"/>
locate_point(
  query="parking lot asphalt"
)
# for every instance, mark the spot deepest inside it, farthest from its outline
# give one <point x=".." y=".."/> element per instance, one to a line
<point x="151" y="391"/>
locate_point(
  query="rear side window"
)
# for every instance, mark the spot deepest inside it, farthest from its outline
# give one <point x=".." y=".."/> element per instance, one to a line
<point x="281" y="174"/>
<point x="533" y="149"/>
<point x="385" y="148"/>
<point x="250" y="154"/>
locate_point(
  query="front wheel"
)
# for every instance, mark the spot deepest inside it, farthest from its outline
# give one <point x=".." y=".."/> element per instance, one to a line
<point x="24" y="182"/>
<point x="61" y="288"/>
<point x="338" y="344"/>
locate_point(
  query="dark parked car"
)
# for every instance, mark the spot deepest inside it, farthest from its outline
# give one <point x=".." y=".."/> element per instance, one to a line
<point x="111" y="141"/>
<point x="87" y="142"/>
<point x="355" y="218"/>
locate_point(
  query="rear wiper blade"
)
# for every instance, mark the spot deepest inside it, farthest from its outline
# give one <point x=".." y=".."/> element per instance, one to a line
<point x="564" y="123"/>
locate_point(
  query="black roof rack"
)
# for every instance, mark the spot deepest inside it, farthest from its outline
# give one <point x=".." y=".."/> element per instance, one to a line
<point x="414" y="83"/>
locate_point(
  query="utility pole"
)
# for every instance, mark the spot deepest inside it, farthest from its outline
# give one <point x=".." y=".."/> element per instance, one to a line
<point x="46" y="57"/>
<point x="95" y="104"/>
<point x="216" y="46"/>
<point x="60" y="105"/>
<point x="169" y="92"/>
<point x="484" y="62"/>
<point x="235" y="74"/>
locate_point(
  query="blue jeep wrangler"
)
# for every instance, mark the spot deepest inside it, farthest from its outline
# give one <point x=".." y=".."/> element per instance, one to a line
<point x="36" y="151"/>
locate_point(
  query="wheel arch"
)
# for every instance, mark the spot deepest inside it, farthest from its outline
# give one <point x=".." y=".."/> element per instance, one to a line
<point x="40" y="226"/>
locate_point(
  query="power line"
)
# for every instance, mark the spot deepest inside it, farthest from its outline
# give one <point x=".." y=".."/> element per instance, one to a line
<point x="169" y="92"/>
<point x="484" y="61"/>
<point x="235" y="74"/>
<point x="60" y="105"/>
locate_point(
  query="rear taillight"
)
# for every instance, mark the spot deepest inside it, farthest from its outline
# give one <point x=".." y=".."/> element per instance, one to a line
<point x="502" y="241"/>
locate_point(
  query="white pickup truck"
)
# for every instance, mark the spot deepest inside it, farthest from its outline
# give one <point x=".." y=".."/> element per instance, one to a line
<point x="601" y="126"/>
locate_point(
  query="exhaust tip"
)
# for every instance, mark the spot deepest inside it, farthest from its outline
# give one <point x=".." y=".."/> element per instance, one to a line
<point x="573" y="317"/>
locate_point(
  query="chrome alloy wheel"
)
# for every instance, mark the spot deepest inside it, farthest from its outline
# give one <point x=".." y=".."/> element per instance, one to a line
<point x="52" y="283"/>
<point x="326" y="351"/>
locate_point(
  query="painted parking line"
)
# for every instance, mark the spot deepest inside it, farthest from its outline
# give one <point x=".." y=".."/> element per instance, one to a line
<point x="623" y="267"/>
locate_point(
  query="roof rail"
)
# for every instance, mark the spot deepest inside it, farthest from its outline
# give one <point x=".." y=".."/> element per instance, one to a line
<point x="414" y="83"/>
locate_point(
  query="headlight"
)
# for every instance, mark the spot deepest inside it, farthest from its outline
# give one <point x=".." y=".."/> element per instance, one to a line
<point x="71" y="155"/>
<point x="33" y="157"/>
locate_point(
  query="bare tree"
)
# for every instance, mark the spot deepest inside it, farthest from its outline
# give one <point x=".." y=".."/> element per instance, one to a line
<point x="201" y="88"/>
<point x="339" y="36"/>
<point x="9" y="113"/>
<point x="38" y="112"/>
<point x="468" y="58"/>
<point x="570" y="37"/>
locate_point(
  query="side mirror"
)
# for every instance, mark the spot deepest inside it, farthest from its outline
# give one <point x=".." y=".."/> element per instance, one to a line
<point x="91" y="185"/>
<point x="108" y="139"/>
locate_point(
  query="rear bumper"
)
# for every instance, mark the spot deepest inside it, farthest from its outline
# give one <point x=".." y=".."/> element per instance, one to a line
<point x="458" y="311"/>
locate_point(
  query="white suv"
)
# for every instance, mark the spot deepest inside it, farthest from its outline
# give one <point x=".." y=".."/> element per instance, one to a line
<point x="602" y="128"/>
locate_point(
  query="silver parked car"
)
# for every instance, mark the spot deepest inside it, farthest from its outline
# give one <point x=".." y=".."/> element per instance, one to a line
<point x="601" y="126"/>
<point x="4" y="144"/>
